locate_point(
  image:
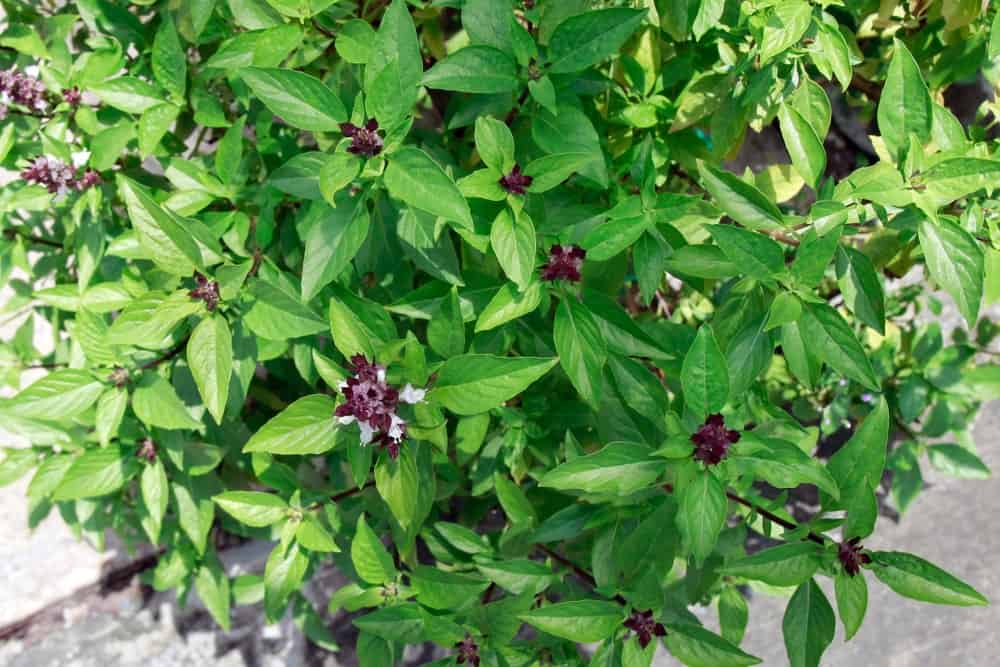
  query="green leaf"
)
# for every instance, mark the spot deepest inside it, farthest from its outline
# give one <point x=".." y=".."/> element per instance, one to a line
<point x="861" y="288"/>
<point x="253" y="507"/>
<point x="334" y="238"/>
<point x="495" y="144"/>
<point x="489" y="23"/>
<point x="229" y="153"/>
<point x="63" y="393"/>
<point x="313" y="535"/>
<point x="955" y="262"/>
<point x="128" y="94"/>
<point x="756" y="254"/>
<point x="446" y="332"/>
<point x="620" y="468"/>
<point x="786" y="24"/>
<point x="394" y="68"/>
<point x="700" y="261"/>
<point x="414" y="178"/>
<point x="161" y="234"/>
<point x="695" y="646"/>
<point x="784" y="565"/>
<point x="702" y="514"/>
<point x="474" y="69"/>
<point x="438" y="589"/>
<point x="399" y="623"/>
<point x="808" y="626"/>
<point x="94" y="473"/>
<point x="519" y="576"/>
<point x="509" y="304"/>
<point x="155" y="491"/>
<point x="371" y="560"/>
<point x="914" y="577"/>
<point x="210" y="357"/>
<point x="474" y="383"/>
<point x="955" y="178"/>
<point x="957" y="461"/>
<point x="513" y="240"/>
<point x="852" y="601"/>
<point x="581" y="348"/>
<point x="169" y="59"/>
<point x="358" y="325"/>
<point x="299" y="176"/>
<point x="549" y="171"/>
<point x="156" y="403"/>
<point x="301" y="100"/>
<point x="398" y="482"/>
<point x="212" y="585"/>
<point x="586" y="39"/>
<point x="705" y="375"/>
<point x="780" y="463"/>
<point x="905" y="105"/>
<point x="277" y="313"/>
<point x="355" y="41"/>
<point x="832" y="341"/>
<point x="154" y="124"/>
<point x="305" y="427"/>
<point x="339" y="170"/>
<point x="739" y="200"/>
<point x="803" y="143"/>
<point x="283" y="575"/>
<point x="858" y="465"/>
<point x="733" y="614"/>
<point x="514" y="502"/>
<point x="581" y="621"/>
<point x="834" y="47"/>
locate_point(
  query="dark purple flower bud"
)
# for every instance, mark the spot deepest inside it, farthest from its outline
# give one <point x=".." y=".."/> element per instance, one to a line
<point x="645" y="627"/>
<point x="851" y="556"/>
<point x="89" y="179"/>
<point x="56" y="176"/>
<point x="364" y="140"/>
<point x="515" y="182"/>
<point x="564" y="263"/>
<point x="147" y="450"/>
<point x="713" y="439"/>
<point x="468" y="652"/>
<point x="207" y="290"/>
<point x="119" y="377"/>
<point x="72" y="96"/>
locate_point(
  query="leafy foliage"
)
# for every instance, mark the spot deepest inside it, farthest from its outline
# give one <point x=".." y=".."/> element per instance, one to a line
<point x="474" y="301"/>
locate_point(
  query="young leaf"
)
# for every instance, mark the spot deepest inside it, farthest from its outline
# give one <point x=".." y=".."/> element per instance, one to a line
<point x="861" y="288"/>
<point x="474" y="69"/>
<point x="739" y="200"/>
<point x="755" y="254"/>
<point x="581" y="348"/>
<point x="852" y="601"/>
<point x="784" y="565"/>
<point x="705" y="375"/>
<point x="702" y="514"/>
<point x="371" y="560"/>
<point x="858" y="464"/>
<point x="695" y="646"/>
<point x="803" y="143"/>
<point x="808" y="626"/>
<point x="832" y="341"/>
<point x="905" y="105"/>
<point x="253" y="507"/>
<point x="512" y="238"/>
<point x="210" y="357"/>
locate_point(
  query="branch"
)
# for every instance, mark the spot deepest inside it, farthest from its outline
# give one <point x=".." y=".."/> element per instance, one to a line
<point x="784" y="238"/>
<point x="771" y="516"/>
<point x="11" y="232"/>
<point x="581" y="573"/>
<point x="352" y="492"/>
<point x="166" y="356"/>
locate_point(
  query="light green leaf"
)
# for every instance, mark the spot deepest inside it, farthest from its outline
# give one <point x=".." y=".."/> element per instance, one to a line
<point x="581" y="348"/>
<point x="581" y="621"/>
<point x="803" y="143"/>
<point x="786" y="24"/>
<point x="702" y="514"/>
<point x="914" y="577"/>
<point x="512" y="237"/>
<point x="413" y="177"/>
<point x="955" y="262"/>
<point x="253" y="508"/>
<point x="905" y="105"/>
<point x="832" y="341"/>
<point x="371" y="560"/>
<point x="474" y="383"/>
<point x="705" y="375"/>
<point x="474" y="69"/>
<point x="808" y="626"/>
<point x="301" y="100"/>
<point x="210" y="358"/>
<point x="620" y="468"/>
<point x="156" y="403"/>
<point x="586" y="39"/>
<point x="305" y="427"/>
<point x="95" y="473"/>
<point x="739" y="200"/>
<point x="784" y="565"/>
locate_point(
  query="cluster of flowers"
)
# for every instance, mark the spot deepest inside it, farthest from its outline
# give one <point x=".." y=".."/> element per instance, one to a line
<point x="365" y="140"/>
<point x="21" y="89"/>
<point x="59" y="177"/>
<point x="372" y="403"/>
<point x="713" y="439"/>
<point x="207" y="290"/>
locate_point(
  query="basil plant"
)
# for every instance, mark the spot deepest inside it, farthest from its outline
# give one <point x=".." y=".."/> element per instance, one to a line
<point x="544" y="322"/>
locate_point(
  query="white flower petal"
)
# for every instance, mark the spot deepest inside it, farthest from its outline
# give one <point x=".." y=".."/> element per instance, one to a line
<point x="396" y="426"/>
<point x="80" y="158"/>
<point x="346" y="419"/>
<point x="411" y="395"/>
<point x="380" y="373"/>
<point x="367" y="432"/>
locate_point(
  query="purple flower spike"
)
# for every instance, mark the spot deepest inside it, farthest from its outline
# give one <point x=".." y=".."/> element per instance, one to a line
<point x="564" y="263"/>
<point x="713" y="439"/>
<point x="515" y="182"/>
<point x="645" y="627"/>
<point x="364" y="140"/>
